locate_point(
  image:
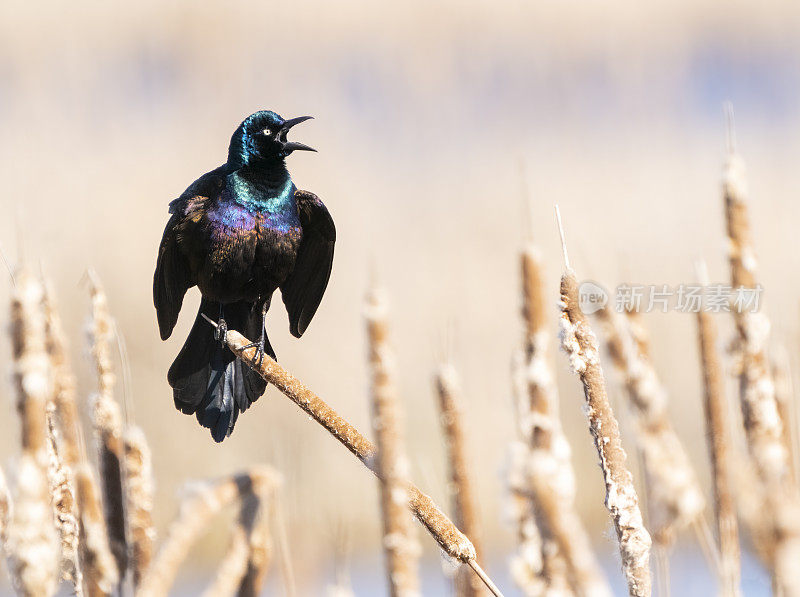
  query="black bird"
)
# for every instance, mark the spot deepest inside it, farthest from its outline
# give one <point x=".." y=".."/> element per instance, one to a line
<point x="238" y="233"/>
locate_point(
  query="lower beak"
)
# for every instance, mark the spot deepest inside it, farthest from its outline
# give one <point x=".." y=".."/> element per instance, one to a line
<point x="290" y="146"/>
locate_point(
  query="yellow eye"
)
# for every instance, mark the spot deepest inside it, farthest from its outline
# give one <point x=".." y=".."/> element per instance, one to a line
<point x="267" y="132"/>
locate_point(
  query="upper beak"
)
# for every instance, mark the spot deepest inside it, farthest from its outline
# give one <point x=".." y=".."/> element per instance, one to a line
<point x="290" y="146"/>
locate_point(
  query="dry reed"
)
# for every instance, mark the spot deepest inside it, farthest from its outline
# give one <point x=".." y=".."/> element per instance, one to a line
<point x="259" y="553"/>
<point x="399" y="542"/>
<point x="62" y="493"/>
<point x="195" y="512"/>
<point x="139" y="501"/>
<point x="5" y="511"/>
<point x="674" y="498"/>
<point x="760" y="412"/>
<point x="718" y="435"/>
<point x="448" y="389"/>
<point x="99" y="567"/>
<point x="63" y="444"/>
<point x="33" y="545"/>
<point x="544" y="476"/>
<point x="107" y="423"/>
<point x="580" y="345"/>
<point x="450" y="539"/>
<point x="243" y="569"/>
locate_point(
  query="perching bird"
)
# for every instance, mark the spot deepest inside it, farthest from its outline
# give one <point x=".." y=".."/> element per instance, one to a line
<point x="238" y="233"/>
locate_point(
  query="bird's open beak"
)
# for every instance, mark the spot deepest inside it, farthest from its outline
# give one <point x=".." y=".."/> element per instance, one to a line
<point x="290" y="146"/>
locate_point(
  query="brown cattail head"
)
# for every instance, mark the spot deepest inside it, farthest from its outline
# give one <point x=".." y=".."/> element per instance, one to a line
<point x="580" y="344"/>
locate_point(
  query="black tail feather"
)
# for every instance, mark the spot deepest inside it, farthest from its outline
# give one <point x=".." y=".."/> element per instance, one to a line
<point x="207" y="379"/>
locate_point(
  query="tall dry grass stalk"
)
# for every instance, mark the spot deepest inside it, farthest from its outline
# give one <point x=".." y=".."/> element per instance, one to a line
<point x="243" y="570"/>
<point x="543" y="478"/>
<point x="760" y="412"/>
<point x="260" y="549"/>
<point x="107" y="423"/>
<point x="399" y="542"/>
<point x="784" y="397"/>
<point x="63" y="444"/>
<point x="580" y="344"/>
<point x="65" y="507"/>
<point x="460" y="486"/>
<point x="139" y="501"/>
<point x="5" y="512"/>
<point x="674" y="498"/>
<point x="195" y="512"/>
<point x="98" y="564"/>
<point x="718" y="435"/>
<point x="450" y="539"/>
<point x="33" y="545"/>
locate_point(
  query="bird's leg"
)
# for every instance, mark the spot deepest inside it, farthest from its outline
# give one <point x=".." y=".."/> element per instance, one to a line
<point x="221" y="331"/>
<point x="258" y="357"/>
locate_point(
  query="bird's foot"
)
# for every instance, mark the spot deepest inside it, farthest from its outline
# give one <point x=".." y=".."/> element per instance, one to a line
<point x="258" y="357"/>
<point x="221" y="332"/>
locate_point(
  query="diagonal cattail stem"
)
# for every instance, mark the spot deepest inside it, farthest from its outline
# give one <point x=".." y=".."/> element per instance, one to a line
<point x="543" y="475"/>
<point x="450" y="539"/>
<point x="580" y="344"/>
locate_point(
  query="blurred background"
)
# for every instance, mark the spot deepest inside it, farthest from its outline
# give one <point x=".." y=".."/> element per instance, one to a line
<point x="434" y="122"/>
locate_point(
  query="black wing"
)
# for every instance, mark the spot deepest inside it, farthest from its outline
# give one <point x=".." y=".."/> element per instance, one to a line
<point x="173" y="276"/>
<point x="303" y="289"/>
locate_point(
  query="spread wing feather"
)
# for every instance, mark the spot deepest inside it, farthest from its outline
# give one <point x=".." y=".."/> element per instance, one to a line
<point x="303" y="289"/>
<point x="173" y="276"/>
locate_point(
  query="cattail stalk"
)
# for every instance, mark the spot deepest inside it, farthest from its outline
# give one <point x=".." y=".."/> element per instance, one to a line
<point x="195" y="512"/>
<point x="139" y="501"/>
<point x="33" y="545"/>
<point x="244" y="568"/>
<point x="259" y="553"/>
<point x="718" y="435"/>
<point x="63" y="446"/>
<point x="99" y="567"/>
<point x="399" y="543"/>
<point x="450" y="539"/>
<point x="107" y="422"/>
<point x="5" y="511"/>
<point x="448" y="389"/>
<point x="674" y="497"/>
<point x="545" y="469"/>
<point x="784" y="397"/>
<point x="62" y="492"/>
<point x="760" y="412"/>
<point x="580" y="345"/>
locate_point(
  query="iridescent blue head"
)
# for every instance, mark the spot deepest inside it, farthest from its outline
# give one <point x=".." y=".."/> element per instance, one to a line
<point x="261" y="138"/>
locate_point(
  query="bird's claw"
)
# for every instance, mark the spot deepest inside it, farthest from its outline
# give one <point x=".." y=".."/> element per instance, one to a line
<point x="258" y="357"/>
<point x="221" y="332"/>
